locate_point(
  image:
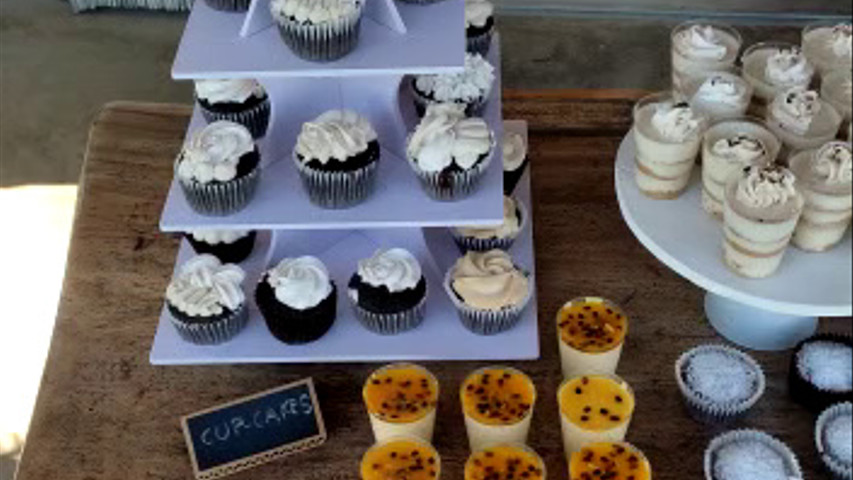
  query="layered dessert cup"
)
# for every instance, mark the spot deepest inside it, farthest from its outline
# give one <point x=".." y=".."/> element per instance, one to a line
<point x="721" y="96"/>
<point x="401" y="400"/>
<point x="837" y="89"/>
<point x="506" y="461"/>
<point x="498" y="404"/>
<point x="828" y="46"/>
<point x="701" y="48"/>
<point x="401" y="458"/>
<point x="591" y="333"/>
<point x="615" y="460"/>
<point x="802" y="120"/>
<point x="594" y="409"/>
<point x="773" y="68"/>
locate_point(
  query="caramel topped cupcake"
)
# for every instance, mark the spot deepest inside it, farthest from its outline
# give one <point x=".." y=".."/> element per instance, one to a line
<point x="498" y="406"/>
<point x="615" y="461"/>
<point x="592" y="332"/>
<point x="401" y="459"/>
<point x="401" y="400"/>
<point x="504" y="462"/>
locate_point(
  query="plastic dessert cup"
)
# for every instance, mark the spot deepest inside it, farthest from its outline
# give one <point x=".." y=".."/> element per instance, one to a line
<point x="594" y="409"/>
<point x="716" y="109"/>
<point x="816" y="38"/>
<point x="498" y="404"/>
<point x="591" y="332"/>
<point x="686" y="69"/>
<point x="620" y="459"/>
<point x="835" y="89"/>
<point x="388" y="458"/>
<point x="401" y="400"/>
<point x="505" y="461"/>
<point x="824" y="128"/>
<point x="754" y="65"/>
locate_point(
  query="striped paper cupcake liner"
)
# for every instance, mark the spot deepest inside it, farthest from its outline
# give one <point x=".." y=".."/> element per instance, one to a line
<point x="323" y="42"/>
<point x="487" y="322"/>
<point x="480" y="43"/>
<point x="469" y="244"/>
<point x="229" y="5"/>
<point x="452" y="186"/>
<point x="212" y="333"/>
<point x="839" y="469"/>
<point x="391" y="323"/>
<point x="805" y="392"/>
<point x="792" y="465"/>
<point x="472" y="109"/>
<point x="337" y="190"/>
<point x="255" y="119"/>
<point x="217" y="199"/>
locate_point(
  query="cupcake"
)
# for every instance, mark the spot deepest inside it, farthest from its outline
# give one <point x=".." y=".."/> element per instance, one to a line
<point x="828" y="46"/>
<point x="592" y="333"/>
<point x="773" y="68"/>
<point x="721" y="96"/>
<point x="593" y="409"/>
<point x="389" y="292"/>
<point x="229" y="5"/>
<point x="242" y="101"/>
<point x="750" y="454"/>
<point x="821" y="372"/>
<point x="700" y="49"/>
<point x="719" y="384"/>
<point x="403" y="458"/>
<point x="802" y="120"/>
<point x="502" y="237"/>
<point x="479" y="25"/>
<point x="498" y="404"/>
<point x="762" y="208"/>
<point x="402" y="401"/>
<point x="471" y="88"/>
<point x="489" y="291"/>
<point x="825" y="177"/>
<point x="229" y="246"/>
<point x="319" y="30"/>
<point x="206" y="302"/>
<point x="834" y="440"/>
<point x="219" y="169"/>
<point x="616" y="460"/>
<point x="515" y="160"/>
<point x="505" y="461"/>
<point x="450" y="153"/>
<point x="298" y="300"/>
<point x="337" y="156"/>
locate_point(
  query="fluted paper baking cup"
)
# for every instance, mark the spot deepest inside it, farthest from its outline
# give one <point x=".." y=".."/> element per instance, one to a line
<point x="323" y="42"/>
<point x="215" y="332"/>
<point x="391" y="323"/>
<point x="839" y="469"/>
<point x="808" y="394"/>
<point x="480" y="43"/>
<point x="472" y="109"/>
<point x="468" y="244"/>
<point x="449" y="187"/>
<point x="255" y="119"/>
<point x="218" y="199"/>
<point x="792" y="465"/>
<point x="487" y="322"/>
<point x="229" y="5"/>
<point x="703" y="409"/>
<point x="335" y="190"/>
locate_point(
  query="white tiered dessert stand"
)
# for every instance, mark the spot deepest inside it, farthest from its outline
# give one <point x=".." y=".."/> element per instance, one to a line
<point x="765" y="314"/>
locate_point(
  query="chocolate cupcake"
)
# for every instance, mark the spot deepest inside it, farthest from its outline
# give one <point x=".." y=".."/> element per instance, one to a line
<point x="206" y="302"/>
<point x="751" y="454"/>
<point x="219" y="169"/>
<point x="515" y="160"/>
<point x="471" y="88"/>
<point x="319" y="30"/>
<point x="479" y="25"/>
<point x="450" y="153"/>
<point x="821" y="372"/>
<point x="481" y="239"/>
<point x="229" y="5"/>
<point x="242" y="101"/>
<point x="389" y="292"/>
<point x="833" y="432"/>
<point x="298" y="300"/>
<point x="229" y="246"/>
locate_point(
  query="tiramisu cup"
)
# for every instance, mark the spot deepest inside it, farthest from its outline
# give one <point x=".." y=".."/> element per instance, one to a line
<point x="591" y="332"/>
<point x="701" y="48"/>
<point x="837" y="89"/>
<point x="498" y="405"/>
<point x="773" y="68"/>
<point x="721" y="96"/>
<point x="401" y="400"/>
<point x="593" y="409"/>
<point x="802" y="120"/>
<point x="828" y="46"/>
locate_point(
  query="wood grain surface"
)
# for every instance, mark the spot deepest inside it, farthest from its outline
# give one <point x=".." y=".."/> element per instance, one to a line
<point x="105" y="413"/>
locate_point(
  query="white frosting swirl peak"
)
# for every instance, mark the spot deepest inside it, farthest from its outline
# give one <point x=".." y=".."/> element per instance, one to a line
<point x="796" y="109"/>
<point x="701" y="41"/>
<point x="788" y="66"/>
<point x="743" y="149"/>
<point x="215" y="237"/>
<point x="314" y="11"/>
<point x="842" y="40"/>
<point x="478" y="12"/>
<point x="833" y="163"/>
<point x="212" y="153"/>
<point x="765" y="187"/>
<point x="490" y="281"/>
<point x="445" y="136"/>
<point x="515" y="151"/>
<point x="396" y="269"/>
<point x="721" y="90"/>
<point x="228" y="91"/>
<point x="675" y="123"/>
<point x="300" y="283"/>
<point x="337" y="134"/>
<point x="204" y="287"/>
<point x="472" y="84"/>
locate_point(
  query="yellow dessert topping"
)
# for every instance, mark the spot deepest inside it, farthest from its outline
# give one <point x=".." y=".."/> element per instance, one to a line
<point x="596" y="403"/>
<point x="504" y="463"/>
<point x="592" y="325"/>
<point x="400" y="460"/>
<point x="611" y="461"/>
<point x="401" y="394"/>
<point x="498" y="396"/>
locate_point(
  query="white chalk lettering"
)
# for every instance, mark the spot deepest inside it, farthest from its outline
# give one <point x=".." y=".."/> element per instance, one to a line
<point x="306" y="403"/>
<point x="205" y="437"/>
<point x="237" y="423"/>
<point x="226" y="432"/>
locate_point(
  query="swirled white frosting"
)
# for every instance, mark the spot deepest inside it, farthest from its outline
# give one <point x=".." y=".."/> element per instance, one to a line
<point x="445" y="136"/>
<point x="834" y="163"/>
<point x="472" y="84"/>
<point x="228" y="91"/>
<point x="702" y="42"/>
<point x="515" y="151"/>
<point x="742" y="148"/>
<point x="764" y="187"/>
<point x="719" y="89"/>
<point x="215" y="237"/>
<point x="337" y="134"/>
<point x="204" y="287"/>
<point x="396" y="269"/>
<point x="489" y="281"/>
<point x="212" y="153"/>
<point x="509" y="228"/>
<point x="842" y="40"/>
<point x="300" y="283"/>
<point x="675" y="123"/>
<point x="314" y="11"/>
<point x="478" y="12"/>
<point x="788" y="66"/>
<point x="796" y="109"/>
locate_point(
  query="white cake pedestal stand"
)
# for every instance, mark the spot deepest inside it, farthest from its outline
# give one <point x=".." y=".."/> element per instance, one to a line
<point x="769" y="314"/>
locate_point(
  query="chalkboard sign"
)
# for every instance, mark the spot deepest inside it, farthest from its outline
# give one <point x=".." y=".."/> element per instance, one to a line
<point x="253" y="430"/>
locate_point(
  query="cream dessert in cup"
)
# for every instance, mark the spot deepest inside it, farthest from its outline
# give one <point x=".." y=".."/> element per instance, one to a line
<point x="828" y="46"/>
<point x="701" y="48"/>
<point x="762" y="208"/>
<point x="612" y="460"/>
<point x="837" y="89"/>
<point x="668" y="135"/>
<point x="591" y="333"/>
<point x="729" y="146"/>
<point x="773" y="68"/>
<point x="401" y="400"/>
<point x="721" y="96"/>
<point x="594" y="408"/>
<point x="505" y="462"/>
<point x="825" y="177"/>
<point x="498" y="405"/>
<point x="802" y="120"/>
<point x="402" y="458"/>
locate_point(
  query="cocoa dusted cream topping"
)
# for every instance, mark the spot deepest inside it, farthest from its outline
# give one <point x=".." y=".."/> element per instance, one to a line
<point x="504" y="463"/>
<point x="401" y="394"/>
<point x="401" y="460"/>
<point x="610" y="461"/>
<point x="592" y="325"/>
<point x="498" y="396"/>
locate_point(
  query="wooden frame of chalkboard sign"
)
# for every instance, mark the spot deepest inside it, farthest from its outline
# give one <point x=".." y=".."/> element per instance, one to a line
<point x="254" y="430"/>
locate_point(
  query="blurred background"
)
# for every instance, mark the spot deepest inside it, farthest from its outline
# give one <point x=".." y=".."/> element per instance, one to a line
<point x="63" y="60"/>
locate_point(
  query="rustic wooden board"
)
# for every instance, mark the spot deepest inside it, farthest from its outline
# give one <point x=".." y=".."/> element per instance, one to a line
<point x="105" y="413"/>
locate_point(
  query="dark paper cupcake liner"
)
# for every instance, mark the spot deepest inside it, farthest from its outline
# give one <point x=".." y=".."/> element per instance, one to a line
<point x="487" y="322"/>
<point x="472" y="244"/>
<point x="211" y="333"/>
<point x="323" y="42"/>
<point x="391" y="323"/>
<point x="218" y="199"/>
<point x="336" y="190"/>
<point x="480" y="43"/>
<point x="256" y="119"/>
<point x="451" y="186"/>
<point x="472" y="109"/>
<point x="234" y="252"/>
<point x="229" y="5"/>
<point x="792" y="465"/>
<point x="807" y="394"/>
<point x="837" y="468"/>
<point x="511" y="178"/>
<point x="292" y="326"/>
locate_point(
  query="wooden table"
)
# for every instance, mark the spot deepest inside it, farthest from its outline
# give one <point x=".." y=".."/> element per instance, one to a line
<point x="105" y="413"/>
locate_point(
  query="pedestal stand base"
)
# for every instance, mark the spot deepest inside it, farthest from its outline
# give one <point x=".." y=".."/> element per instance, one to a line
<point x="754" y="328"/>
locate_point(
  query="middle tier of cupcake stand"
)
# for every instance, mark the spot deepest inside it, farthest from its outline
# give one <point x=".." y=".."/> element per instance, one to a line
<point x="763" y="314"/>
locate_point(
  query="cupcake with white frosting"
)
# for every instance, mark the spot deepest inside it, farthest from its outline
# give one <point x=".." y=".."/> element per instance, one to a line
<point x="837" y="89"/>
<point x="829" y="46"/>
<point x="450" y="153"/>
<point x="242" y="101"/>
<point x="700" y="49"/>
<point x="728" y="147"/>
<point x="337" y="156"/>
<point x="206" y="302"/>
<point x="802" y="120"/>
<point x="515" y="160"/>
<point x="668" y="136"/>
<point x="750" y="454"/>
<point x="389" y="292"/>
<point x="472" y="87"/>
<point x="219" y="169"/>
<point x="489" y="291"/>
<point x="721" y="96"/>
<point x="480" y="239"/>
<point x="821" y="371"/>
<point x="298" y="300"/>
<point x="825" y="177"/>
<point x="773" y="68"/>
<point x="229" y="5"/>
<point x="229" y="246"/>
<point x="319" y="30"/>
<point x="479" y="25"/>
<point x="762" y="208"/>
